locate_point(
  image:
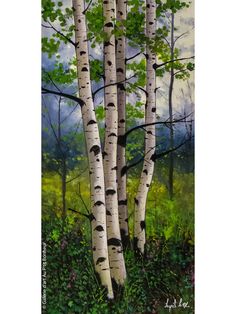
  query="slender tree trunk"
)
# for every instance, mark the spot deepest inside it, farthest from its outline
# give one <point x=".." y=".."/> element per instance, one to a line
<point x="63" y="162"/>
<point x="150" y="139"/>
<point x="121" y="96"/>
<point x="115" y="249"/>
<point x="63" y="184"/>
<point x="171" y="157"/>
<point x="99" y="230"/>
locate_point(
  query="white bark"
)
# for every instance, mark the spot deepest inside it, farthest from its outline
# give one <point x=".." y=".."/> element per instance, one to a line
<point x="99" y="233"/>
<point x="150" y="139"/>
<point x="121" y="155"/>
<point x="117" y="265"/>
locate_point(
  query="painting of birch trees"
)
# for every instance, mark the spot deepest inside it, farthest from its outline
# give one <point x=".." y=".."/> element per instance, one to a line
<point x="118" y="156"/>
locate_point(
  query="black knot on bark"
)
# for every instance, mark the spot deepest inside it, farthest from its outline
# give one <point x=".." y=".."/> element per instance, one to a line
<point x="121" y="86"/>
<point x="110" y="192"/>
<point x="120" y="70"/>
<point x="100" y="260"/>
<point x="142" y="224"/>
<point x="145" y="171"/>
<point x="99" y="228"/>
<point x="121" y="140"/>
<point x="112" y="134"/>
<point x="91" y="122"/>
<point x="99" y="203"/>
<point x="109" y="24"/>
<point x="155" y="66"/>
<point x="95" y="149"/>
<point x="122" y="202"/>
<point x="104" y="154"/>
<point x="123" y="171"/>
<point x="84" y="69"/>
<point x="111" y="104"/>
<point x="153" y="157"/>
<point x="136" y="201"/>
<point x="114" y="242"/>
<point x="108" y="213"/>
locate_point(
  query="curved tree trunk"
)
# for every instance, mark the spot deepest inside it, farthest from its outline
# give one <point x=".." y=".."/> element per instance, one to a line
<point x="121" y="96"/>
<point x="118" y="272"/>
<point x="150" y="139"/>
<point x="99" y="233"/>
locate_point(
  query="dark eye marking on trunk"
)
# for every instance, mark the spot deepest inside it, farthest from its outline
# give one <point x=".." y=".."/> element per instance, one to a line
<point x="155" y="66"/>
<point x="114" y="242"/>
<point x="97" y="187"/>
<point x="104" y="154"/>
<point x="100" y="260"/>
<point x="145" y="171"/>
<point x="82" y="53"/>
<point x="84" y="69"/>
<point x="120" y="70"/>
<point x="110" y="104"/>
<point x="112" y="134"/>
<point x="91" y="122"/>
<point x="154" y="109"/>
<point x="142" y="224"/>
<point x="136" y="201"/>
<point x="109" y="24"/>
<point x="99" y="203"/>
<point x="108" y="213"/>
<point x="99" y="228"/>
<point x="123" y="171"/>
<point x="95" y="149"/>
<point x="110" y="192"/>
<point x="122" y="202"/>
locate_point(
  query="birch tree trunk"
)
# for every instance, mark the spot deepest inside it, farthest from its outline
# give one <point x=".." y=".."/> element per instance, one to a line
<point x="115" y="249"/>
<point x="150" y="139"/>
<point x="171" y="160"/>
<point x="121" y="96"/>
<point x="98" y="221"/>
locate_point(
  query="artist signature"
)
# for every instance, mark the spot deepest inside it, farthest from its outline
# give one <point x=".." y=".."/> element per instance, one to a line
<point x="176" y="304"/>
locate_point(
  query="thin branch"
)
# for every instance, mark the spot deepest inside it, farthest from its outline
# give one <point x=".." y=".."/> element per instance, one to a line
<point x="87" y="7"/>
<point x="69" y="114"/>
<point x="130" y="58"/>
<point x="76" y="177"/>
<point x="53" y="83"/>
<point x="90" y="216"/>
<point x="183" y="70"/>
<point x="181" y="35"/>
<point x="74" y="98"/>
<point x="60" y="33"/>
<point x="166" y="40"/>
<point x="116" y="83"/>
<point x="155" y="155"/>
<point x="80" y="196"/>
<point x="122" y="138"/>
<point x="170" y="61"/>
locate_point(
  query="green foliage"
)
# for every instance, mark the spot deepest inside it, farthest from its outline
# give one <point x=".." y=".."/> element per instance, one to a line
<point x="50" y="46"/>
<point x="61" y="73"/>
<point x="72" y="286"/>
<point x="95" y="21"/>
<point x="96" y="70"/>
